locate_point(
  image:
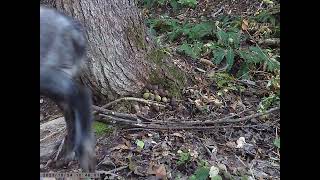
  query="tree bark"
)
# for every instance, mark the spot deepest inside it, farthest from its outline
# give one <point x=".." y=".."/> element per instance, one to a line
<point x="122" y="57"/>
<point x="117" y="45"/>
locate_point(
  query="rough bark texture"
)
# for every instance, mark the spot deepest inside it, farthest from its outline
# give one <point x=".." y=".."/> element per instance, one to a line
<point x="118" y="44"/>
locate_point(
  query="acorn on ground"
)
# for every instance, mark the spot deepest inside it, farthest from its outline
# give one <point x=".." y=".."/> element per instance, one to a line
<point x="158" y="98"/>
<point x="146" y="95"/>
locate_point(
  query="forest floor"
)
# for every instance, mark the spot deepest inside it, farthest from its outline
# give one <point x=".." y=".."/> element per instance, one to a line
<point x="245" y="144"/>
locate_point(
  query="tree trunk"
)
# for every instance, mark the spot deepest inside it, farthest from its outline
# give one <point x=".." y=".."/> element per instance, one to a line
<point x="117" y="45"/>
<point x="120" y="52"/>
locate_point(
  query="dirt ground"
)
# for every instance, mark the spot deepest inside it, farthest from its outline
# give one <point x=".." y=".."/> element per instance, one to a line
<point x="119" y="149"/>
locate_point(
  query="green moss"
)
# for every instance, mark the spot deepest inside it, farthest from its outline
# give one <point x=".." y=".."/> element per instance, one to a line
<point x="174" y="79"/>
<point x="157" y="56"/>
<point x="135" y="35"/>
<point x="101" y="128"/>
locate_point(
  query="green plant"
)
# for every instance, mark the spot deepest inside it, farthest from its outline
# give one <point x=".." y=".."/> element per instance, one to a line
<point x="201" y="173"/>
<point x="193" y="50"/>
<point x="274" y="84"/>
<point x="228" y="48"/>
<point x="226" y="82"/>
<point x="228" y="42"/>
<point x="268" y="101"/>
<point x="161" y="3"/>
<point x="224" y="39"/>
<point x="184" y="157"/>
<point x="100" y="128"/>
<point x="153" y="3"/>
<point x="174" y="29"/>
<point x="140" y="143"/>
<point x="198" y="31"/>
<point x="216" y="178"/>
<point x="190" y="3"/>
<point x="164" y="24"/>
<point x="267" y="16"/>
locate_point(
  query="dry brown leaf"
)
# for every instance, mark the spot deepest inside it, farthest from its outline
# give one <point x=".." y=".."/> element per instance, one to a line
<point x="244" y="25"/>
<point x="161" y="172"/>
<point x="207" y="62"/>
<point x="234" y="105"/>
<point x="127" y="143"/>
<point x="120" y="146"/>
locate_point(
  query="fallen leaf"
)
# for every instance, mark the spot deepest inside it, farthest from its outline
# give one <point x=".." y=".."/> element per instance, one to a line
<point x="120" y="146"/>
<point x="207" y="62"/>
<point x="161" y="172"/>
<point x="140" y="143"/>
<point x="244" y="25"/>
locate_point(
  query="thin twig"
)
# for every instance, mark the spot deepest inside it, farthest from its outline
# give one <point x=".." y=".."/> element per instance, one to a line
<point x="252" y="171"/>
<point x="59" y="149"/>
<point x="112" y="113"/>
<point x="229" y="119"/>
<point x="126" y="121"/>
<point x="133" y="99"/>
<point x="247" y="117"/>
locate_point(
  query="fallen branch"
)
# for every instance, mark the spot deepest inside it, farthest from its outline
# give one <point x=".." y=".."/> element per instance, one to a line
<point x="247" y="117"/>
<point x="112" y="113"/>
<point x="133" y="99"/>
<point x="179" y="126"/>
<point x="118" y="119"/>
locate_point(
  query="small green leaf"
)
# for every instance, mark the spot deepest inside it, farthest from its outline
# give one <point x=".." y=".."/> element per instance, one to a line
<point x="217" y="177"/>
<point x="190" y="3"/>
<point x="276" y="142"/>
<point x="161" y="2"/>
<point x="244" y="71"/>
<point x="192" y="50"/>
<point x="187" y="49"/>
<point x="245" y="55"/>
<point x="273" y="64"/>
<point x="140" y="143"/>
<point x="202" y="173"/>
<point x="222" y="36"/>
<point x="230" y="59"/>
<point x="200" y="30"/>
<point x="218" y="55"/>
<point x="174" y="4"/>
<point x="236" y="38"/>
<point x="258" y="52"/>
